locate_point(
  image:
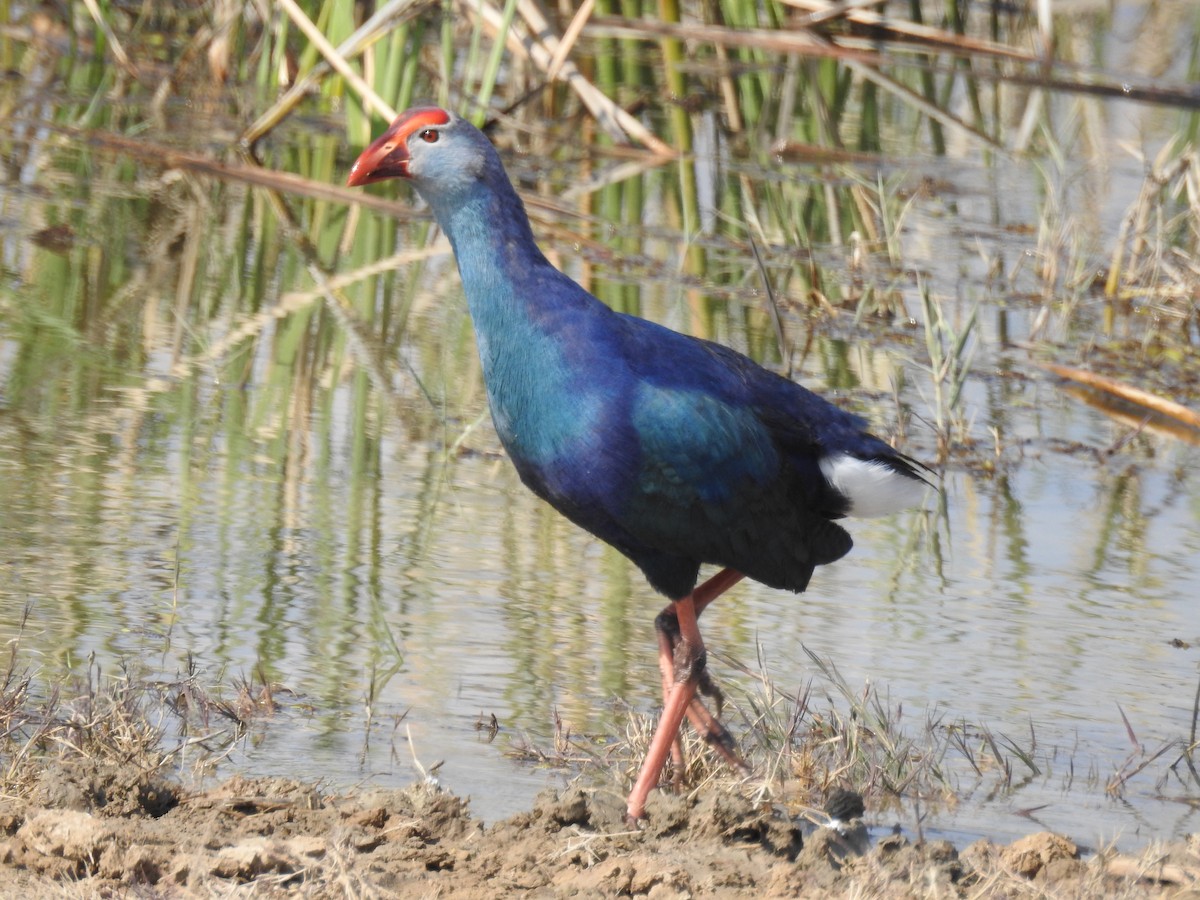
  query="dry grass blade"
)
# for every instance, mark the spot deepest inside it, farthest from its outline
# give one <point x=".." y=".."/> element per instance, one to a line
<point x="829" y="12"/>
<point x="908" y="95"/>
<point x="928" y="36"/>
<point x="541" y="51"/>
<point x="570" y="36"/>
<point x="111" y="39"/>
<point x="1119" y="779"/>
<point x="597" y="181"/>
<point x="1187" y="755"/>
<point x="370" y="31"/>
<point x="370" y="99"/>
<point x="799" y="42"/>
<point x="167" y="157"/>
<point x="1162" y="218"/>
<point x="1152" y="869"/>
<point x="1129" y="732"/>
<point x="1024" y="756"/>
<point x="863" y="62"/>
<point x="772" y="307"/>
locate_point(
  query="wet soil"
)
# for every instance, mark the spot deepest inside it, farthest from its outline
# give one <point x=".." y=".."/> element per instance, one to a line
<point x="101" y="830"/>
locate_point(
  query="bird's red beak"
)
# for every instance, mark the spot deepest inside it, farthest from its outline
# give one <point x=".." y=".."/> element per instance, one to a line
<point x="388" y="157"/>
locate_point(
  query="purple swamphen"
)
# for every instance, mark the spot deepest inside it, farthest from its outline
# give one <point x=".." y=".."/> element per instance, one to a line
<point x="675" y="450"/>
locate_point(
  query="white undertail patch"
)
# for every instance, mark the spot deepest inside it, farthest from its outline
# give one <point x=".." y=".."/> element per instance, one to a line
<point x="872" y="488"/>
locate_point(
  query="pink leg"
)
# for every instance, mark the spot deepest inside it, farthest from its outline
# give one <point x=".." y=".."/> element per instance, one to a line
<point x="666" y="668"/>
<point x="705" y="723"/>
<point x="714" y="588"/>
<point x="682" y="664"/>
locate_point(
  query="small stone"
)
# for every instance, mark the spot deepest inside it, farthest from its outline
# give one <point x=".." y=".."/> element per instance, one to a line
<point x="368" y="818"/>
<point x="570" y="808"/>
<point x="252" y="858"/>
<point x="67" y="833"/>
<point x="940" y="851"/>
<point x="1030" y="854"/>
<point x="307" y="846"/>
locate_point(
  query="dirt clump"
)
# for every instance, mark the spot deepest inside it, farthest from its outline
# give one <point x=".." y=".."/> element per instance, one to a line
<point x="132" y="834"/>
<point x="106" y="789"/>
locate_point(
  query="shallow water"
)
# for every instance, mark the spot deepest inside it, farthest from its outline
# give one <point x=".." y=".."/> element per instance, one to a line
<point x="173" y="496"/>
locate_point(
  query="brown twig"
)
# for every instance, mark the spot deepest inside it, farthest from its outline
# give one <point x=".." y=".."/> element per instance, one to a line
<point x="1127" y="392"/>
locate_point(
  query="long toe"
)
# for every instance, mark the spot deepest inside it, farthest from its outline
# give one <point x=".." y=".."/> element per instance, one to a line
<point x="716" y="735"/>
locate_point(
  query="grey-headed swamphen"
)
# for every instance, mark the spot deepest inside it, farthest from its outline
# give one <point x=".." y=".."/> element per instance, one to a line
<point x="675" y="450"/>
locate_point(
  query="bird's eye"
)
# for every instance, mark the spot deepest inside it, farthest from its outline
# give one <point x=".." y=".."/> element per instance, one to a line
<point x="429" y="136"/>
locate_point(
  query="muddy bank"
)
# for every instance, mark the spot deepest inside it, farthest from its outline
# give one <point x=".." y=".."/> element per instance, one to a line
<point x="122" y="832"/>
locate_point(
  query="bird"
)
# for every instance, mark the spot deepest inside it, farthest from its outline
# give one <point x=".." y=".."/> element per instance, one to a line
<point x="677" y="451"/>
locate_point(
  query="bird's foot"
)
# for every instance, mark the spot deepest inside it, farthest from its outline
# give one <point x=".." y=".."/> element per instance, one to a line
<point x="717" y="736"/>
<point x="667" y="626"/>
<point x="678" y="663"/>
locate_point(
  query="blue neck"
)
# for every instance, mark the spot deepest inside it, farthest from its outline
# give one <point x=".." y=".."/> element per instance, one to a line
<point x="526" y="317"/>
<point x="493" y="245"/>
